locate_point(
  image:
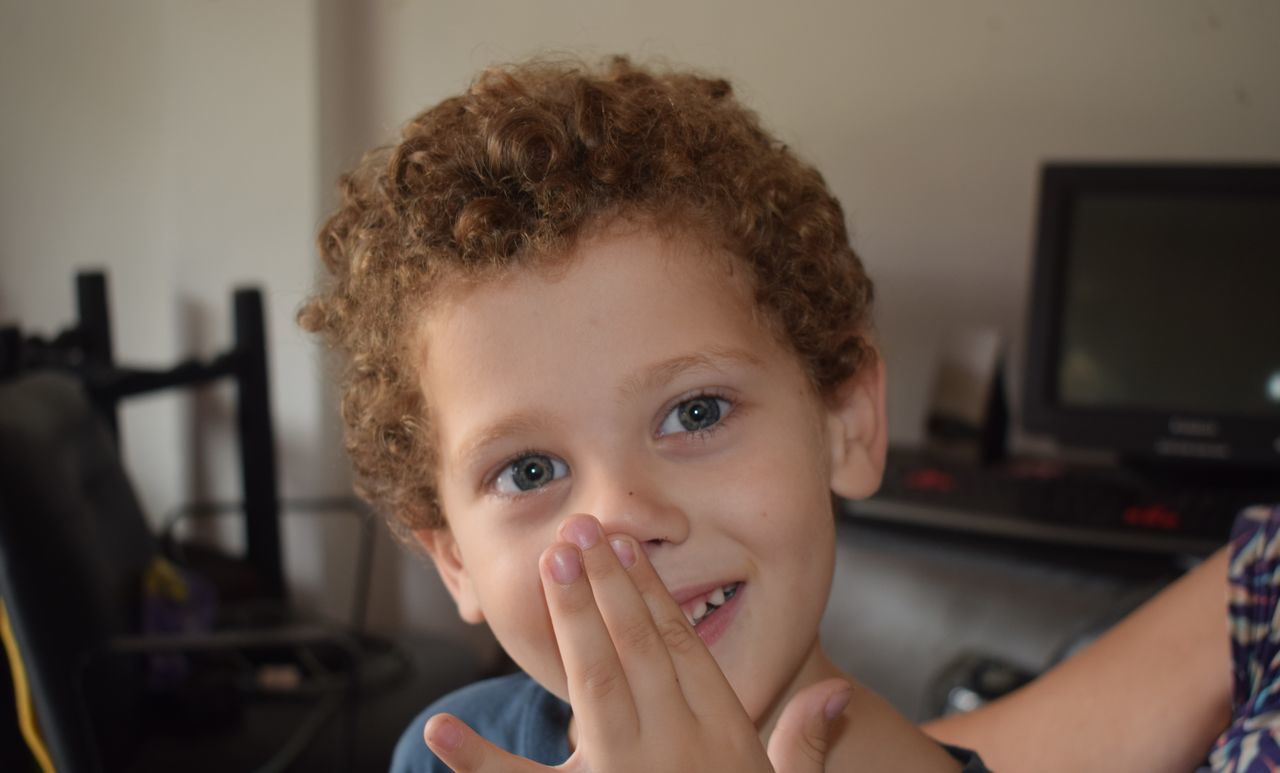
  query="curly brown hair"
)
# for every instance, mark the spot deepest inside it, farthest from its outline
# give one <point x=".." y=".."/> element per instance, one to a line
<point x="514" y="172"/>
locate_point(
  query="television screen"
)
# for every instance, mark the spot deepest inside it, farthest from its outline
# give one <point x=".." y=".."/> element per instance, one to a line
<point x="1155" y="311"/>
<point x="1172" y="303"/>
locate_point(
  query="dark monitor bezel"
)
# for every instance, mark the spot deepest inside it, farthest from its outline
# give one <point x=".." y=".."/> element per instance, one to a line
<point x="1133" y="433"/>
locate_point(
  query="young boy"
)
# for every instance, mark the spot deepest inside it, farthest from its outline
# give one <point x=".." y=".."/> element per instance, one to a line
<point x="608" y="356"/>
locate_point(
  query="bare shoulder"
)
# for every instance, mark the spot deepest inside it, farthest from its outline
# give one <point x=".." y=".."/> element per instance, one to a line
<point x="872" y="735"/>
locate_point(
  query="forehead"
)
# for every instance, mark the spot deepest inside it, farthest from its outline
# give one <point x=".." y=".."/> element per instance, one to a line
<point x="622" y="301"/>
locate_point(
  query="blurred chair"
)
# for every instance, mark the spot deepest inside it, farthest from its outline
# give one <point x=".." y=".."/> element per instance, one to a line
<point x="85" y="350"/>
<point x="74" y="547"/>
<point x="259" y="691"/>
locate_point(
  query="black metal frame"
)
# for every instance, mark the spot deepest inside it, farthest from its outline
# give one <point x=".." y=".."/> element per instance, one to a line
<point x="86" y="349"/>
<point x="1134" y="433"/>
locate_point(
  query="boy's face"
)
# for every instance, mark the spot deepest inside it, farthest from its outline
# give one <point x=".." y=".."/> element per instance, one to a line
<point x="637" y="387"/>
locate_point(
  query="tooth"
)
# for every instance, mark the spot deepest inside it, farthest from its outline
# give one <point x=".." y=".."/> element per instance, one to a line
<point x="717" y="597"/>
<point x="700" y="611"/>
<point x="689" y="617"/>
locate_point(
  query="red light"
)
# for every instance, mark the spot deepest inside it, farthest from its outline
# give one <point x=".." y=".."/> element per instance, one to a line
<point x="929" y="479"/>
<point x="1152" y="517"/>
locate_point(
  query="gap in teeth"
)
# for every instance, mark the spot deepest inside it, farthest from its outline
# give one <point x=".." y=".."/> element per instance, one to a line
<point x="711" y="603"/>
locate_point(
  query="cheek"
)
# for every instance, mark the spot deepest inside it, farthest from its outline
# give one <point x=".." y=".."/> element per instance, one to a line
<point x="781" y="488"/>
<point x="510" y="593"/>
<point x="509" y="587"/>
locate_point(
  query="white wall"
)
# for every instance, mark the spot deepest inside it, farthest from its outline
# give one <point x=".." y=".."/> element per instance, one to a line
<point x="191" y="146"/>
<point x="173" y="145"/>
<point x="928" y="118"/>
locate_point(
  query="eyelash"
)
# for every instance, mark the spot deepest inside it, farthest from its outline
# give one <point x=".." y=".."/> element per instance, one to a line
<point x="690" y="436"/>
<point x="491" y="482"/>
<point x="704" y="434"/>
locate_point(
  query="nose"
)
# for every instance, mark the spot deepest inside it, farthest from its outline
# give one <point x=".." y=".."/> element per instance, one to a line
<point x="633" y="503"/>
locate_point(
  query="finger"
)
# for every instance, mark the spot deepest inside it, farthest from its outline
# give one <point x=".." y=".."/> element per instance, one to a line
<point x="464" y="751"/>
<point x="598" y="688"/>
<point x="636" y="638"/>
<point x="802" y="735"/>
<point x="698" y="675"/>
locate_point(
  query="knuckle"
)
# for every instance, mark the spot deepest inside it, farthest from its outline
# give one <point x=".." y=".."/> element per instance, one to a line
<point x="813" y="746"/>
<point x="678" y="636"/>
<point x="637" y="635"/>
<point x="600" y="680"/>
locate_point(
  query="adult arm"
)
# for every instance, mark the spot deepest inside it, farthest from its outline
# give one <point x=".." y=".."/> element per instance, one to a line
<point x="1151" y="694"/>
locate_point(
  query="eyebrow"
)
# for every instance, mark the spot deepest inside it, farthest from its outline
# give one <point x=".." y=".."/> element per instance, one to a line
<point x="647" y="379"/>
<point x="663" y="373"/>
<point x="512" y="424"/>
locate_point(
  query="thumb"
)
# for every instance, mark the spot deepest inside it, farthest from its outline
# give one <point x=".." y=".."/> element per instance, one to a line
<point x="464" y="751"/>
<point x="799" y="742"/>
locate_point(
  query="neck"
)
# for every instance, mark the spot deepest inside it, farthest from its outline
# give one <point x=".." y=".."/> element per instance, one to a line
<point x="816" y="667"/>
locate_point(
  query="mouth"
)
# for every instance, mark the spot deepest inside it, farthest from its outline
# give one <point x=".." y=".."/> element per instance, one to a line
<point x="710" y="612"/>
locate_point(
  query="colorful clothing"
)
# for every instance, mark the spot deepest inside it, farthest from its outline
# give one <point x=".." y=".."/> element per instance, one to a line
<point x="1252" y="742"/>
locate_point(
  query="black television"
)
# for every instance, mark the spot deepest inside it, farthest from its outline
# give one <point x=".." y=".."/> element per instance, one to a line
<point x="1154" y="327"/>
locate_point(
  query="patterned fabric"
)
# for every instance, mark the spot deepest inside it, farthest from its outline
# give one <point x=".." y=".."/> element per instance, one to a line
<point x="1252" y="742"/>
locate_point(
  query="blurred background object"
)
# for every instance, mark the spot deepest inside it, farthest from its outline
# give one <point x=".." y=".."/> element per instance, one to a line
<point x="135" y="650"/>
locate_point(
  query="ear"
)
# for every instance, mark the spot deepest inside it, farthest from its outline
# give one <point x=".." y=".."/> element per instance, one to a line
<point x="444" y="552"/>
<point x="858" y="431"/>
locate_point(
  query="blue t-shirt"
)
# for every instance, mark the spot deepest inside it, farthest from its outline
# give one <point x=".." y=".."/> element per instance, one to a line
<point x="517" y="714"/>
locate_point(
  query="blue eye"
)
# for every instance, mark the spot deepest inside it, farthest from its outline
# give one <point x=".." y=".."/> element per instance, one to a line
<point x="529" y="472"/>
<point x="693" y="415"/>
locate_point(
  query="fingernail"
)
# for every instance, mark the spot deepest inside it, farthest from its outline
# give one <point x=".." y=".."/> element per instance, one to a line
<point x="566" y="566"/>
<point x="446" y="735"/>
<point x="837" y="703"/>
<point x="583" y="531"/>
<point x="623" y="550"/>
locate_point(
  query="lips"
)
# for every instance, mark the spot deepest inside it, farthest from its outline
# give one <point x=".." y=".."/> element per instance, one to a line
<point x="699" y="607"/>
<point x="706" y="604"/>
<point x="690" y="593"/>
<point x="713" y="624"/>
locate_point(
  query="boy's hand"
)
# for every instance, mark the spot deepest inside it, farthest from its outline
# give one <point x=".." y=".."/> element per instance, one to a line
<point x="646" y="693"/>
